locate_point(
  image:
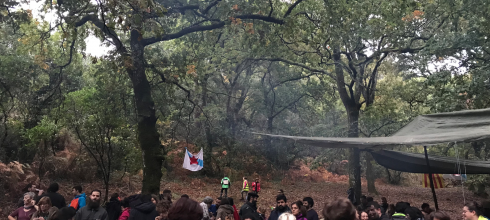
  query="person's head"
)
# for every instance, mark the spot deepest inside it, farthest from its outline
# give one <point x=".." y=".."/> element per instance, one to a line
<point x="28" y="197"/>
<point x="230" y="200"/>
<point x="162" y="207"/>
<point x="383" y="200"/>
<point x="244" y="178"/>
<point x="339" y="209"/>
<point x="65" y="213"/>
<point x="154" y="199"/>
<point x="364" y="215"/>
<point x="218" y="201"/>
<point x="413" y="213"/>
<point x="114" y="197"/>
<point x="249" y="216"/>
<point x="400" y="207"/>
<point x="373" y="213"/>
<point x="287" y="216"/>
<point x="184" y="196"/>
<point x="185" y="208"/>
<point x="439" y="215"/>
<point x="297" y="208"/>
<point x="369" y="199"/>
<point x="256" y="179"/>
<point x="44" y="204"/>
<point x="94" y="201"/>
<point x="363" y="200"/>
<point x="208" y="201"/>
<point x="53" y="187"/>
<point x="471" y="211"/>
<point x="281" y="201"/>
<point x="252" y="197"/>
<point x="262" y="210"/>
<point x="426" y="208"/>
<point x="377" y="208"/>
<point x="76" y="190"/>
<point x="125" y="202"/>
<point x="308" y="202"/>
<point x="280" y="192"/>
<point x="32" y="187"/>
<point x="225" y="201"/>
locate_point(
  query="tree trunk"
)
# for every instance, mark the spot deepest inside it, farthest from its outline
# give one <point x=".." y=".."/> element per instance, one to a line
<point x="370" y="174"/>
<point x="148" y="136"/>
<point x="354" y="154"/>
<point x="207" y="126"/>
<point x="352" y="108"/>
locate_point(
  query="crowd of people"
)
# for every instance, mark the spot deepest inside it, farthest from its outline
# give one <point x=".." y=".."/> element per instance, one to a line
<point x="39" y="205"/>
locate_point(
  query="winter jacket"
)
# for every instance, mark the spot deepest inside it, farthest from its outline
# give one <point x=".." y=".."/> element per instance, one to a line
<point x="213" y="210"/>
<point x="142" y="210"/>
<point x="300" y="217"/>
<point x="256" y="186"/>
<point x="57" y="200"/>
<point x="46" y="216"/>
<point x="113" y="209"/>
<point x="87" y="213"/>
<point x="312" y="215"/>
<point x="125" y="214"/>
<point x="276" y="213"/>
<point x="223" y="211"/>
<point x="78" y="202"/>
<point x="247" y="208"/>
<point x="235" y="213"/>
<point x="223" y="181"/>
<point x="205" y="211"/>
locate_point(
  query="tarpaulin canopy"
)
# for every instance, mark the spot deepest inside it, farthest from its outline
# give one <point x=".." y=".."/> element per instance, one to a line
<point x="460" y="126"/>
<point x="416" y="163"/>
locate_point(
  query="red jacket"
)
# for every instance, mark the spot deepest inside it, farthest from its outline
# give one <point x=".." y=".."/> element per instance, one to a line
<point x="235" y="213"/>
<point x="125" y="214"/>
<point x="256" y="186"/>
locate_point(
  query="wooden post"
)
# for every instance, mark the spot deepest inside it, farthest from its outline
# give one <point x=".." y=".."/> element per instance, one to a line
<point x="431" y="179"/>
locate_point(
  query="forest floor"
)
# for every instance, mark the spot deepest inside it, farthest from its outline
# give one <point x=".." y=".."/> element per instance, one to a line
<point x="451" y="200"/>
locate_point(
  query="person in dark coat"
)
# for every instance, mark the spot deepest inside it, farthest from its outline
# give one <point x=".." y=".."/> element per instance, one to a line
<point x="311" y="214"/>
<point x="250" y="207"/>
<point x="375" y="213"/>
<point x="282" y="207"/>
<point x="113" y="207"/>
<point x="66" y="213"/>
<point x="92" y="210"/>
<point x="142" y="208"/>
<point x="225" y="209"/>
<point x="186" y="209"/>
<point x="57" y="200"/>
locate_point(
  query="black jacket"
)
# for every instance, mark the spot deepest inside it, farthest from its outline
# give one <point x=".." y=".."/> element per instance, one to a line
<point x="249" y="209"/>
<point x="312" y="215"/>
<point x="57" y="200"/>
<point x="87" y="213"/>
<point x="113" y="208"/>
<point x="142" y="210"/>
<point x="275" y="213"/>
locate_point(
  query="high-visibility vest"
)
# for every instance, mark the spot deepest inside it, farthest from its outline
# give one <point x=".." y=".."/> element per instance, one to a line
<point x="245" y="185"/>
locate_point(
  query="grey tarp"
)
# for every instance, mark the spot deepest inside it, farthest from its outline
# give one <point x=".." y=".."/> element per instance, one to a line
<point x="460" y="126"/>
<point x="416" y="163"/>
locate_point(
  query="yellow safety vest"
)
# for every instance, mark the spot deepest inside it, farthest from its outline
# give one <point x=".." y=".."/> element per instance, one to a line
<point x="245" y="186"/>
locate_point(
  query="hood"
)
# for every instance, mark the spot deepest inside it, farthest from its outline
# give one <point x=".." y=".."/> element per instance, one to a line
<point x="227" y="208"/>
<point x="81" y="195"/>
<point x="146" y="207"/>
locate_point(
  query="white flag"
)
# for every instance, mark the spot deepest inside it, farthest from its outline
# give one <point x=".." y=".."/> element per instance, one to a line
<point x="193" y="162"/>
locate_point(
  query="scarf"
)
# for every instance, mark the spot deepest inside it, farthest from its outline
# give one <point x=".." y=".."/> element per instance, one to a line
<point x="28" y="207"/>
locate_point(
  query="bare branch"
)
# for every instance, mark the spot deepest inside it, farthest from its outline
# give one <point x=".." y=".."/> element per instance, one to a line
<point x="111" y="33"/>
<point x="290" y="9"/>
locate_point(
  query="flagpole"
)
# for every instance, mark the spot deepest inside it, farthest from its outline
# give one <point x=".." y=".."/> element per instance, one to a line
<point x="431" y="179"/>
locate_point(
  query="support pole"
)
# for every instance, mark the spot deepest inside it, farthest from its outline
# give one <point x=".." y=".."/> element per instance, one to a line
<point x="431" y="179"/>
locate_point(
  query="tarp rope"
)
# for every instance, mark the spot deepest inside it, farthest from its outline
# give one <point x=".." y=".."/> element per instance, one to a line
<point x="458" y="164"/>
